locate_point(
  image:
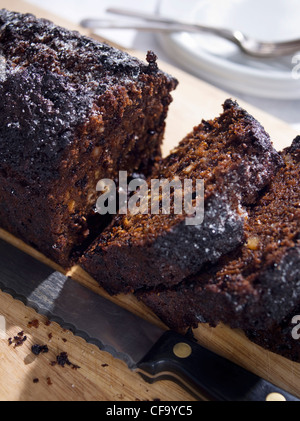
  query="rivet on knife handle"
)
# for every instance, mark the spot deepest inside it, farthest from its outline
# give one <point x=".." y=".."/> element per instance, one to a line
<point x="205" y="374"/>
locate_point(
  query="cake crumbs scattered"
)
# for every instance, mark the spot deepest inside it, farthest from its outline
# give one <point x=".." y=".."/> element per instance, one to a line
<point x="39" y="349"/>
<point x="49" y="382"/>
<point x="104" y="365"/>
<point x="35" y="380"/>
<point x="17" y="340"/>
<point x="33" y="323"/>
<point x="62" y="359"/>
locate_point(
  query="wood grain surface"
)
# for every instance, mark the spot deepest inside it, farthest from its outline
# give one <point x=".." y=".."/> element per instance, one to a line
<point x="26" y="377"/>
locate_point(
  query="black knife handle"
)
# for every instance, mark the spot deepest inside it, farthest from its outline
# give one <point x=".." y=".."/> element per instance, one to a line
<point x="205" y="374"/>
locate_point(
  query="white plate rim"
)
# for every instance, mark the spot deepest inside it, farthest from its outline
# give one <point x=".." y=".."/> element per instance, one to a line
<point x="278" y="84"/>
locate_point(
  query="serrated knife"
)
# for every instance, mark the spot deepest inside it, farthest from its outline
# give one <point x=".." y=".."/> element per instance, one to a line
<point x="154" y="353"/>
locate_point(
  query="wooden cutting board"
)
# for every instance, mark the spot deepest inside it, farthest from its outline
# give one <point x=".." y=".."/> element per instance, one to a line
<point x="100" y="376"/>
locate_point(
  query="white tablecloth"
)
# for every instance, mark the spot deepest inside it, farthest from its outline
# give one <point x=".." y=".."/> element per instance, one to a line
<point x="75" y="10"/>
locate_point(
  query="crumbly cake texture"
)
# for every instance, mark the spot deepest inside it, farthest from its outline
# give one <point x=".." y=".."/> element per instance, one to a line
<point x="73" y="111"/>
<point x="235" y="158"/>
<point x="281" y="338"/>
<point x="257" y="285"/>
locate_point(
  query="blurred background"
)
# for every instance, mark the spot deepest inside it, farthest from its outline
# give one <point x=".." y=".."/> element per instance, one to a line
<point x="272" y="85"/>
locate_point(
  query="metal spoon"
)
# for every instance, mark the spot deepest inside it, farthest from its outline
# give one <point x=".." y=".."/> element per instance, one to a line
<point x="154" y="23"/>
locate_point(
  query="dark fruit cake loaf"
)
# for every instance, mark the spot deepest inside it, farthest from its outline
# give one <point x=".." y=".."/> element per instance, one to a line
<point x="259" y="283"/>
<point x="72" y="111"/>
<point x="235" y="158"/>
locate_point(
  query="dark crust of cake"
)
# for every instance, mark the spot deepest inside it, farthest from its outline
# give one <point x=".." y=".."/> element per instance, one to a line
<point x="57" y="75"/>
<point x="195" y="302"/>
<point x="128" y="270"/>
<point x="235" y="158"/>
<point x="258" y="284"/>
<point x="281" y="338"/>
<point x="73" y="111"/>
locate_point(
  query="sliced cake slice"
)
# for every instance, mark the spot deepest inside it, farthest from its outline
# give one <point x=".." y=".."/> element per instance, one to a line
<point x="258" y="284"/>
<point x="234" y="157"/>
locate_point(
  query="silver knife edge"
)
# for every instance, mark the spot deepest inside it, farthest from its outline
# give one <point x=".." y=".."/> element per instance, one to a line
<point x="69" y="326"/>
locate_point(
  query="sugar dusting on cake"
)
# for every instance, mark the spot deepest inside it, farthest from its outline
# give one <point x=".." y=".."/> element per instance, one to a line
<point x="2" y="69"/>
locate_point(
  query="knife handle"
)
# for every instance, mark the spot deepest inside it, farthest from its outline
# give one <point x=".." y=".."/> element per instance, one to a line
<point x="203" y="373"/>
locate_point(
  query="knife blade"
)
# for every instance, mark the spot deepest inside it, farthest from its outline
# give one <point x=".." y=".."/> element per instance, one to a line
<point x="146" y="348"/>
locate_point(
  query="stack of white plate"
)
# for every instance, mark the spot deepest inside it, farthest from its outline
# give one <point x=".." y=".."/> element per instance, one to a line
<point x="220" y="61"/>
